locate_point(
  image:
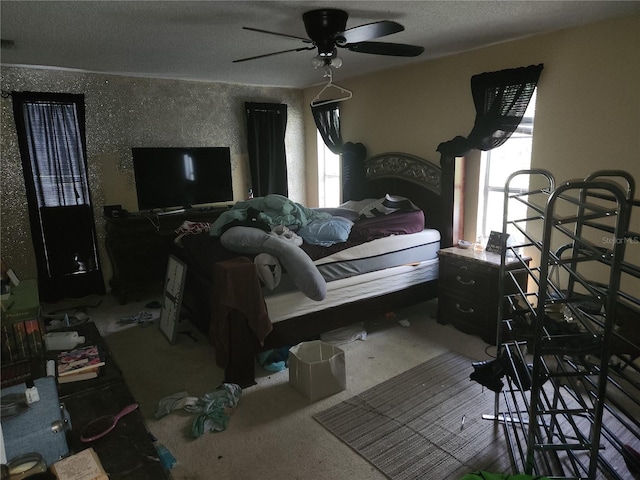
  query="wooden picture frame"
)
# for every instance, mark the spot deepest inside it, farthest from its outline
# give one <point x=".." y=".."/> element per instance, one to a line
<point x="496" y="241"/>
<point x="172" y="297"/>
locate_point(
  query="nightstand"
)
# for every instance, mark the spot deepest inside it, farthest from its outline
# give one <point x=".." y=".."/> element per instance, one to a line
<point x="468" y="290"/>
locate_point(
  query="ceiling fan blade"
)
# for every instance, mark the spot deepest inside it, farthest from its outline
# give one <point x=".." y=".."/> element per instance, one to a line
<point x="274" y="53"/>
<point x="382" y="48"/>
<point x="368" y="32"/>
<point x="305" y="40"/>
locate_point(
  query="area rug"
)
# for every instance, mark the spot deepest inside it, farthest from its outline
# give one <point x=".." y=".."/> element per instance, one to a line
<point x="425" y="423"/>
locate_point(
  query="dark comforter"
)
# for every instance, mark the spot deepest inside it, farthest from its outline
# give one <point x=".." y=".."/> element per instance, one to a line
<point x="202" y="251"/>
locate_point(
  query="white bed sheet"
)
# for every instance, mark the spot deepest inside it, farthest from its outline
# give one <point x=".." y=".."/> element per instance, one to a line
<point x="294" y="303"/>
<point x="384" y="246"/>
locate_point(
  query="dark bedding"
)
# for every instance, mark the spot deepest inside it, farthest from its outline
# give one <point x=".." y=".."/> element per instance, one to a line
<point x="398" y="223"/>
<point x="202" y="251"/>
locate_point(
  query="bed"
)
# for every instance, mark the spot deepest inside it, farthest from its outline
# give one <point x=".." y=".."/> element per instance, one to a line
<point x="364" y="277"/>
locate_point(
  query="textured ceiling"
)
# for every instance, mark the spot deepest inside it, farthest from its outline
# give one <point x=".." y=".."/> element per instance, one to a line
<point x="199" y="40"/>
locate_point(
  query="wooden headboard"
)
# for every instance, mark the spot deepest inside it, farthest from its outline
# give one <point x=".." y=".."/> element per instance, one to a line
<point x="413" y="177"/>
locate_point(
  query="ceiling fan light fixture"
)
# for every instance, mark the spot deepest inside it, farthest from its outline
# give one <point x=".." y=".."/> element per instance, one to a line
<point x="335" y="62"/>
<point x="320" y="61"/>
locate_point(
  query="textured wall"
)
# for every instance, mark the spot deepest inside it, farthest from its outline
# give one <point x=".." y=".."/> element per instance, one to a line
<point x="125" y="112"/>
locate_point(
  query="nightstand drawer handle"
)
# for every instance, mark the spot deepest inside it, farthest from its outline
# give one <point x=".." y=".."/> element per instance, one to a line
<point x="468" y="310"/>
<point x="470" y="282"/>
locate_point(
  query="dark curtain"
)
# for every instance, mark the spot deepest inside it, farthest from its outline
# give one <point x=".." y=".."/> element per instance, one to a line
<point x="266" y="126"/>
<point x="354" y="175"/>
<point x="501" y="99"/>
<point x="51" y="137"/>
<point x="327" y="118"/>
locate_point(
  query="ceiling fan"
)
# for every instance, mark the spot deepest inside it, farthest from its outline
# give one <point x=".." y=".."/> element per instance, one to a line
<point x="327" y="31"/>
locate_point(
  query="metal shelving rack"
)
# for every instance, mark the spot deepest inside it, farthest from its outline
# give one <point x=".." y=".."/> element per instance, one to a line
<point x="572" y="398"/>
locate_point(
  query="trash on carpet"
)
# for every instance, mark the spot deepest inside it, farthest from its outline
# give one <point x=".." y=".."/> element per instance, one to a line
<point x="143" y="318"/>
<point x="345" y="334"/>
<point x="212" y="410"/>
<point x="166" y="458"/>
<point x="274" y="360"/>
<point x="57" y="321"/>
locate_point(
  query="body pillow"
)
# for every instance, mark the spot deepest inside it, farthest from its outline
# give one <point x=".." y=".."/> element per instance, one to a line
<point x="269" y="270"/>
<point x="295" y="261"/>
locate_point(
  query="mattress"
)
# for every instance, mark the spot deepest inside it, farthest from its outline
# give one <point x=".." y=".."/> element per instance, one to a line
<point x="282" y="306"/>
<point x="378" y="254"/>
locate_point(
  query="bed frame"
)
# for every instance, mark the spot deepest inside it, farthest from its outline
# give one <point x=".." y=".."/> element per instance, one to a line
<point x="393" y="173"/>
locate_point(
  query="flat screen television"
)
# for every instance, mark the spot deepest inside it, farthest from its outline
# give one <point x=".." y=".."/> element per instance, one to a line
<point x="169" y="177"/>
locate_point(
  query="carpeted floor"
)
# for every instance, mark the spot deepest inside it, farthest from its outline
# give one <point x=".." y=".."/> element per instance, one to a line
<point x="411" y="426"/>
<point x="272" y="433"/>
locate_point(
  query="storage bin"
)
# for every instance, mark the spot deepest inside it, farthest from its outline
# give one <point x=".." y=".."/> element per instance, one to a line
<point x="317" y="369"/>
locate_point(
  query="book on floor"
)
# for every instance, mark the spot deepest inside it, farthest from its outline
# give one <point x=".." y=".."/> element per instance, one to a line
<point x="84" y="465"/>
<point x="79" y="360"/>
<point x="83" y="375"/>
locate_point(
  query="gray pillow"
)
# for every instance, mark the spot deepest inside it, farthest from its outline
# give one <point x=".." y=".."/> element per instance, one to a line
<point x="296" y="262"/>
<point x="340" y="212"/>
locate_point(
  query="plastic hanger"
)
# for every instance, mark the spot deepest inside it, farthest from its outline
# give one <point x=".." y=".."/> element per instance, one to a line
<point x="345" y="94"/>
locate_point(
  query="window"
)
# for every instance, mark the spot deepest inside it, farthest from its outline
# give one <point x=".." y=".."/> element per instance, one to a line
<point x="51" y="135"/>
<point x="496" y="166"/>
<point x="329" y="179"/>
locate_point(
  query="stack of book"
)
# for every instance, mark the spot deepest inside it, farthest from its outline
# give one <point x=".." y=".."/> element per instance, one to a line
<point x="21" y="334"/>
<point x="80" y="364"/>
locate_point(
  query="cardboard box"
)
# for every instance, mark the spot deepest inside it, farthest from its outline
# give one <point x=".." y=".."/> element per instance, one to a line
<point x="317" y="369"/>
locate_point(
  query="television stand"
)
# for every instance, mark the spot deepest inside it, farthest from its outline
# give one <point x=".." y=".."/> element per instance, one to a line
<point x="171" y="212"/>
<point x="139" y="247"/>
